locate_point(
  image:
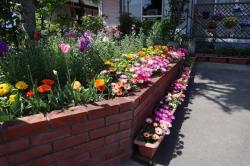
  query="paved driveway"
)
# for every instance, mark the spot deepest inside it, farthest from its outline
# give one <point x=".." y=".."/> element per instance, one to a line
<point x="214" y="127"/>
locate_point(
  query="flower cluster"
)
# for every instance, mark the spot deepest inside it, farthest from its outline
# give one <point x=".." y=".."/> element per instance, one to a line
<point x="138" y="68"/>
<point x="84" y="41"/>
<point x="158" y="126"/>
<point x="108" y="33"/>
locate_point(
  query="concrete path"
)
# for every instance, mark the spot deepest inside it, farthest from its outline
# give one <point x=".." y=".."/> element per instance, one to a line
<point x="213" y="128"/>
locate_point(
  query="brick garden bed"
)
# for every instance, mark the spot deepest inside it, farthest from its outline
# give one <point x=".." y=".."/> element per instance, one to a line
<point x="221" y="59"/>
<point x="95" y="134"/>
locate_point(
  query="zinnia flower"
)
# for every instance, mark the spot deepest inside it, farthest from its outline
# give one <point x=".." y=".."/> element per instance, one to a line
<point x="48" y="82"/>
<point x="100" y="84"/>
<point x="155" y="137"/>
<point x="30" y="93"/>
<point x="44" y="88"/>
<point x="119" y="84"/>
<point x="21" y="85"/>
<point x="65" y="48"/>
<point x="158" y="131"/>
<point x="119" y="92"/>
<point x="4" y="89"/>
<point x="127" y="86"/>
<point x="146" y="134"/>
<point x="12" y="98"/>
<point x="76" y="85"/>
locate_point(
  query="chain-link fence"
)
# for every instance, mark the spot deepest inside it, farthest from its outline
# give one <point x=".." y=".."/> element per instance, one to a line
<point x="222" y="20"/>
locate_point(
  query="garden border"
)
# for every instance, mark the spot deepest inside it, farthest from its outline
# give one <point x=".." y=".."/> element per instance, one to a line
<point x="95" y="134"/>
<point x="221" y="59"/>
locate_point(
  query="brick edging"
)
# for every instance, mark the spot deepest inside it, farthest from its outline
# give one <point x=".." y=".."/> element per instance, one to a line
<point x="220" y="59"/>
<point x="92" y="134"/>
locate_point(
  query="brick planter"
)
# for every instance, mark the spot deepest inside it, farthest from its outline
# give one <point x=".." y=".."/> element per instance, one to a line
<point x="218" y="59"/>
<point x="95" y="134"/>
<point x="238" y="60"/>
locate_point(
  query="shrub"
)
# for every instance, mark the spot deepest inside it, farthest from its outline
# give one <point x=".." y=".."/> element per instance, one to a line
<point x="91" y="23"/>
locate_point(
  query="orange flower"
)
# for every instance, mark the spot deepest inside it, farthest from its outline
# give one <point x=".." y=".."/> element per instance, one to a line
<point x="100" y="84"/>
<point x="44" y="88"/>
<point x="48" y="82"/>
<point x="141" y="53"/>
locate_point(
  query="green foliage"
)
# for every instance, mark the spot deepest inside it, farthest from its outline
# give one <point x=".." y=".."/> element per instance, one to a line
<point x="126" y="22"/>
<point x="91" y="23"/>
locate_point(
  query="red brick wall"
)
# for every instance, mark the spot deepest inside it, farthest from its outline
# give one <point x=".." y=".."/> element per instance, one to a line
<point x="94" y="134"/>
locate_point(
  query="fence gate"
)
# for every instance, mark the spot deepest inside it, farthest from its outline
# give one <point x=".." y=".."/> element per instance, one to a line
<point x="222" y="20"/>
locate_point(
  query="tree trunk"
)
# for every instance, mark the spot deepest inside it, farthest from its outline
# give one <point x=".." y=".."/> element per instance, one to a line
<point x="29" y="18"/>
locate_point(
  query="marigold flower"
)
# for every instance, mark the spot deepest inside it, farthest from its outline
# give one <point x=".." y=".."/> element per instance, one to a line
<point x="30" y="93"/>
<point x="141" y="53"/>
<point x="44" y="88"/>
<point x="100" y="84"/>
<point x="48" y="82"/>
<point x="12" y="98"/>
<point x="21" y="85"/>
<point x="4" y="89"/>
<point x="76" y="85"/>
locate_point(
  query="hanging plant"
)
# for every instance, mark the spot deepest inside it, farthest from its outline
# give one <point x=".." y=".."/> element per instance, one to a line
<point x="211" y="24"/>
<point x="230" y="22"/>
<point x="205" y="14"/>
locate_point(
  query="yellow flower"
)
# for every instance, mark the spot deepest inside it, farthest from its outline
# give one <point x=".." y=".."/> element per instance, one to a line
<point x="12" y="98"/>
<point x="21" y="85"/>
<point x="76" y="85"/>
<point x="108" y="63"/>
<point x="130" y="56"/>
<point x="4" y="89"/>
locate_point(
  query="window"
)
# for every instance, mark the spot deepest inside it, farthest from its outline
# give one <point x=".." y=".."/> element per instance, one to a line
<point x="152" y="9"/>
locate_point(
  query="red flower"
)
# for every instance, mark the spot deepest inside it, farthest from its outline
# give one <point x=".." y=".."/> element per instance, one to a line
<point x="44" y="88"/>
<point x="37" y="35"/>
<point x="30" y="93"/>
<point x="48" y="82"/>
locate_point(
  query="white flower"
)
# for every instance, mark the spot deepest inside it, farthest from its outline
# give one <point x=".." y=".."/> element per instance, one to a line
<point x="55" y="72"/>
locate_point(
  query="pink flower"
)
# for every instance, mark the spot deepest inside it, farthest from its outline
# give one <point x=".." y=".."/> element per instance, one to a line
<point x="65" y="48"/>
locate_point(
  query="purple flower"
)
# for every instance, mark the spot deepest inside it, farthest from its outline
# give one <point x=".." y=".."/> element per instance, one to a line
<point x="3" y="48"/>
<point x="70" y="34"/>
<point x="84" y="41"/>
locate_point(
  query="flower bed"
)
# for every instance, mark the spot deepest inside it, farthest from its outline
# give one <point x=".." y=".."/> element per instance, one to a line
<point x="29" y="93"/>
<point x="94" y="134"/>
<point x="155" y="129"/>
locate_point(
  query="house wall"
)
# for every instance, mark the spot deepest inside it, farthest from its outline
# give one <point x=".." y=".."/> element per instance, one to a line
<point x="111" y="10"/>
